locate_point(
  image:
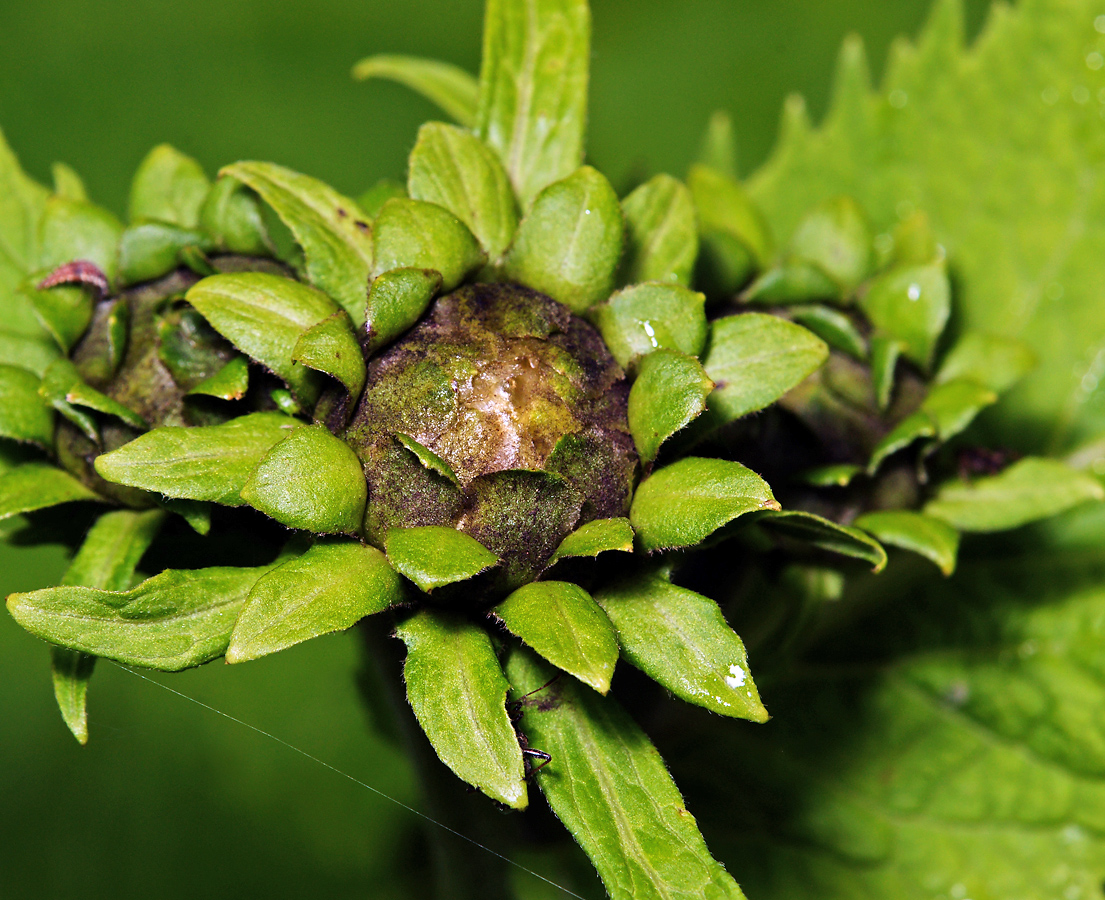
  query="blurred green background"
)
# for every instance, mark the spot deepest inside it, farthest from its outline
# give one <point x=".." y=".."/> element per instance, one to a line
<point x="170" y="799"/>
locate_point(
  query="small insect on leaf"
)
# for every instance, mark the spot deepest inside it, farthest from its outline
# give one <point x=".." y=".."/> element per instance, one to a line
<point x="80" y="271"/>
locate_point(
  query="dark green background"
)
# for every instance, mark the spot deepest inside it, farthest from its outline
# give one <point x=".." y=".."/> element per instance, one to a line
<point x="169" y="799"/>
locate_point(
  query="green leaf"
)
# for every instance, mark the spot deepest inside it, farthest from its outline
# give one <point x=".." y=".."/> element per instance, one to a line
<point x="75" y="229"/>
<point x="230" y="383"/>
<point x="206" y="463"/>
<point x="148" y="250"/>
<point x="455" y="169"/>
<point x="608" y="785"/>
<point x="329" y="588"/>
<point x="718" y="150"/>
<point x="792" y="281"/>
<point x="433" y="556"/>
<point x="569" y="244"/>
<point x="915" y="532"/>
<point x="450" y="87"/>
<point x="561" y="622"/>
<point x="910" y="304"/>
<point x="1029" y="490"/>
<point x="686" y="502"/>
<point x="458" y="693"/>
<point x="735" y="238"/>
<point x="661" y="234"/>
<point x="594" y="538"/>
<point x="24" y="416"/>
<point x="837" y="238"/>
<point x="67" y="183"/>
<point x="833" y="327"/>
<point x="994" y="362"/>
<point x="332" y="230"/>
<point x="838" y="475"/>
<point x="231" y="215"/>
<point x="331" y="347"/>
<point x="681" y="640"/>
<point x="754" y="359"/>
<point x="33" y="352"/>
<point x="412" y="234"/>
<point x="264" y="316"/>
<point x="533" y="89"/>
<point x="169" y="187"/>
<point x="71" y="671"/>
<point x="62" y="384"/>
<point x="34" y="486"/>
<point x="310" y="480"/>
<point x="175" y="620"/>
<point x="427" y="457"/>
<point x="197" y="513"/>
<point x="670" y="392"/>
<point x="65" y="311"/>
<point x="884" y="363"/>
<point x="646" y="317"/>
<point x="826" y="535"/>
<point x="396" y="301"/>
<point x="954" y="404"/>
<point x="913" y="427"/>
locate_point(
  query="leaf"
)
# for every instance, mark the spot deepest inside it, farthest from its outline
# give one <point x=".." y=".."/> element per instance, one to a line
<point x="264" y="316"/>
<point x="78" y="230"/>
<point x="34" y="486"/>
<point x="594" y="538"/>
<point x="331" y="347"/>
<point x="910" y="304"/>
<point x="173" y="621"/>
<point x="71" y="672"/>
<point x="197" y="513"/>
<point x="994" y="362"/>
<point x="838" y="475"/>
<point x="561" y="622"/>
<point x="230" y="383"/>
<point x="533" y="89"/>
<point x="396" y="301"/>
<point x="232" y="217"/>
<point x="412" y="234"/>
<point x="681" y="640"/>
<point x="22" y="204"/>
<point x="608" y="785"/>
<point x="686" y="502"/>
<point x="569" y="244"/>
<point x="826" y="535"/>
<point x="433" y="556"/>
<point x="331" y="229"/>
<point x="168" y="186"/>
<point x="455" y="169"/>
<point x="754" y="359"/>
<point x="149" y="250"/>
<point x="450" y="87"/>
<point x="884" y="363"/>
<point x="67" y="183"/>
<point x="953" y="405"/>
<point x="62" y="384"/>
<point x="836" y="237"/>
<point x="381" y="192"/>
<point x="64" y="311"/>
<point x="791" y="281"/>
<point x="646" y="317"/>
<point x="329" y="588"/>
<point x="718" y="150"/>
<point x="661" y="234"/>
<point x="734" y="237"/>
<point x="670" y="392"/>
<point x="24" y="416"/>
<point x="916" y="532"/>
<point x="458" y="693"/>
<point x="1029" y="490"/>
<point x="206" y="463"/>
<point x="833" y="327"/>
<point x="310" y="480"/>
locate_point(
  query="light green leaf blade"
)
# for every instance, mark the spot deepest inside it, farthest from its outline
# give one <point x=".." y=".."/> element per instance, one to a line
<point x="681" y="639"/>
<point x="826" y="535"/>
<point x="427" y="457"/>
<point x="594" y="538"/>
<point x="994" y="362"/>
<point x="396" y="301"/>
<point x="206" y="463"/>
<point x="329" y="588"/>
<point x="533" y="89"/>
<point x="173" y="621"/>
<point x="686" y="502"/>
<point x="670" y="392"/>
<point x="912" y="428"/>
<point x="646" y="317"/>
<point x="71" y="671"/>
<point x="230" y="383"/>
<point x="792" y="281"/>
<point x="332" y="230"/>
<point x="916" y="532"/>
<point x="231" y="216"/>
<point x="75" y="229"/>
<point x="433" y="556"/>
<point x="833" y="327"/>
<point x="310" y="480"/>
<point x="570" y="242"/>
<point x="449" y="86"/>
<point x="718" y="149"/>
<point x="168" y="186"/>
<point x="561" y="621"/>
<point x="953" y="405"/>
<point x="331" y="347"/>
<point x="661" y="233"/>
<point x="24" y="415"/>
<point x="22" y="204"/>
<point x="62" y="384"/>
<point x="34" y="486"/>
<point x="735" y="239"/>
<point x="149" y="250"/>
<point x="64" y="311"/>
<point x="1029" y="490"/>
<point x="413" y="234"/>
<point x="836" y="237"/>
<point x="884" y="363"/>
<point x="455" y="169"/>
<point x="608" y="785"/>
<point x="458" y="693"/>
<point x="910" y="304"/>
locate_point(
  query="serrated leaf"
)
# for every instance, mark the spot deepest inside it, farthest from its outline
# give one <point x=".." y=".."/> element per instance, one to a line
<point x="173" y="621"/>
<point x="206" y="463"/>
<point x="412" y="234"/>
<point x="910" y="304"/>
<point x="661" y="232"/>
<point x="331" y="347"/>
<point x="458" y="693"/>
<point x="62" y="384"/>
<point x="329" y="588"/>
<point x="450" y="87"/>
<point x="833" y="327"/>
<point x="231" y="216"/>
<point x="608" y="785"/>
<point x="646" y="317"/>
<point x="561" y="621"/>
<point x="168" y="186"/>
<point x="825" y="534"/>
<point x="455" y="169"/>
<point x="75" y="229"/>
<point x="396" y="301"/>
<point x="533" y="89"/>
<point x="921" y="534"/>
<point x="264" y="316"/>
<point x="570" y="242"/>
<point x="36" y="485"/>
<point x="686" y="502"/>
<point x="670" y="392"/>
<point x="1029" y="490"/>
<point x="230" y="383"/>
<point x="995" y="362"/>
<point x="148" y="250"/>
<point x="594" y="538"/>
<point x="332" y="230"/>
<point x="681" y="639"/>
<point x="24" y="415"/>
<point x="433" y="556"/>
<point x="735" y="237"/>
<point x="310" y="480"/>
